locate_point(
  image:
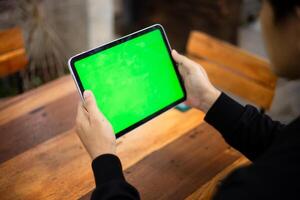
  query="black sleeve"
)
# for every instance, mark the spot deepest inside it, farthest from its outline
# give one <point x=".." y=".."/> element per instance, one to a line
<point x="110" y="181"/>
<point x="244" y="128"/>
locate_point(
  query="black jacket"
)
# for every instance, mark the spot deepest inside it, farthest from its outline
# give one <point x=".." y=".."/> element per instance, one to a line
<point x="273" y="148"/>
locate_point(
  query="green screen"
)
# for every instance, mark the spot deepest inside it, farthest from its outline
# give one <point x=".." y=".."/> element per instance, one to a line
<point x="131" y="80"/>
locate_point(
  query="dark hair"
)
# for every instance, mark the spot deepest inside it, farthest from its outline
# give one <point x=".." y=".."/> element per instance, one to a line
<point x="283" y="8"/>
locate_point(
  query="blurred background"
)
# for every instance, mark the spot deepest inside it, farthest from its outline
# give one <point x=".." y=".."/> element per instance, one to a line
<point x="54" y="30"/>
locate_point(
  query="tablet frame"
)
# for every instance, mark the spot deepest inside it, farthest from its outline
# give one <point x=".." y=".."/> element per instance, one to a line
<point x="118" y="41"/>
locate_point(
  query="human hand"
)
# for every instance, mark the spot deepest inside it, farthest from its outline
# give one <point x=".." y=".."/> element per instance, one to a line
<point x="201" y="94"/>
<point x="93" y="129"/>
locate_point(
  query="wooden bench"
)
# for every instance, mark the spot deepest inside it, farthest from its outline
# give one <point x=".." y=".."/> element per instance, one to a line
<point x="206" y="191"/>
<point x="235" y="71"/>
<point x="12" y="54"/>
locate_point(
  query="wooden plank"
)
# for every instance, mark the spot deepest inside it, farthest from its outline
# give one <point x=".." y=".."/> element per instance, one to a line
<point x="40" y="123"/>
<point x="45" y="95"/>
<point x="227" y="80"/>
<point x="11" y="39"/>
<point x="45" y="172"/>
<point x="12" y="62"/>
<point x="11" y="54"/>
<point x="178" y="169"/>
<point x="207" y="191"/>
<point x="67" y="79"/>
<point x="40" y="120"/>
<point x="60" y="168"/>
<point x="37" y="126"/>
<point x="251" y="66"/>
<point x="157" y="133"/>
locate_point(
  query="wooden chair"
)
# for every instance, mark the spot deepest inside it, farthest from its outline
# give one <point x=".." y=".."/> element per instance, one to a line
<point x="233" y="70"/>
<point x="207" y="191"/>
<point x="238" y="72"/>
<point x="12" y="52"/>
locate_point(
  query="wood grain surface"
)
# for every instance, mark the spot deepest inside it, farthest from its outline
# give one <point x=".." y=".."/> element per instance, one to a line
<point x="181" y="167"/>
<point x="36" y="126"/>
<point x="241" y="86"/>
<point x="221" y="52"/>
<point x="233" y="69"/>
<point x="38" y="98"/>
<point x="42" y="157"/>
<point x="206" y="191"/>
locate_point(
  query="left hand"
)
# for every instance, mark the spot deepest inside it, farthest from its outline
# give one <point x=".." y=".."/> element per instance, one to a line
<point x="201" y="94"/>
<point x="93" y="129"/>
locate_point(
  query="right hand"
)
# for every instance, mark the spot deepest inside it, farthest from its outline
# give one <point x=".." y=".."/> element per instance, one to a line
<point x="201" y="94"/>
<point x="93" y="129"/>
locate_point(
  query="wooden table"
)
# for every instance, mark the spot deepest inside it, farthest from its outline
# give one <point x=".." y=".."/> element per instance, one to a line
<point x="41" y="157"/>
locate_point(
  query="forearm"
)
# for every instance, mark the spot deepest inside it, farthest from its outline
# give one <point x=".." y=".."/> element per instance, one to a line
<point x="110" y="181"/>
<point x="244" y="128"/>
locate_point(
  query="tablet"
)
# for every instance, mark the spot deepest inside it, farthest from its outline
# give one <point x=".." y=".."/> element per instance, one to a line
<point x="133" y="78"/>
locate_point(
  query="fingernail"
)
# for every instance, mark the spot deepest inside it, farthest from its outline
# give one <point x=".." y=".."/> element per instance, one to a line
<point x="86" y="94"/>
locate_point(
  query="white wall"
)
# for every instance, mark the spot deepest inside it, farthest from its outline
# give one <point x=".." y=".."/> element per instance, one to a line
<point x="100" y="22"/>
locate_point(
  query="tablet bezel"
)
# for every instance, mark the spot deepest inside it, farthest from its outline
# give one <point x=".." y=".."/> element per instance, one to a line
<point x="126" y="38"/>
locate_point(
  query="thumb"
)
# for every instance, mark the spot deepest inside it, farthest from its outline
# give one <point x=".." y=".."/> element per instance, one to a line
<point x="183" y="62"/>
<point x="90" y="102"/>
<point x="177" y="57"/>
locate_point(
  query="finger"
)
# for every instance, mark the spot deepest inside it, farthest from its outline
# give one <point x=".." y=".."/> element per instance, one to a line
<point x="90" y="103"/>
<point x="83" y="110"/>
<point x="182" y="70"/>
<point x="181" y="59"/>
<point x="82" y="116"/>
<point x="177" y="57"/>
<point x="92" y="108"/>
